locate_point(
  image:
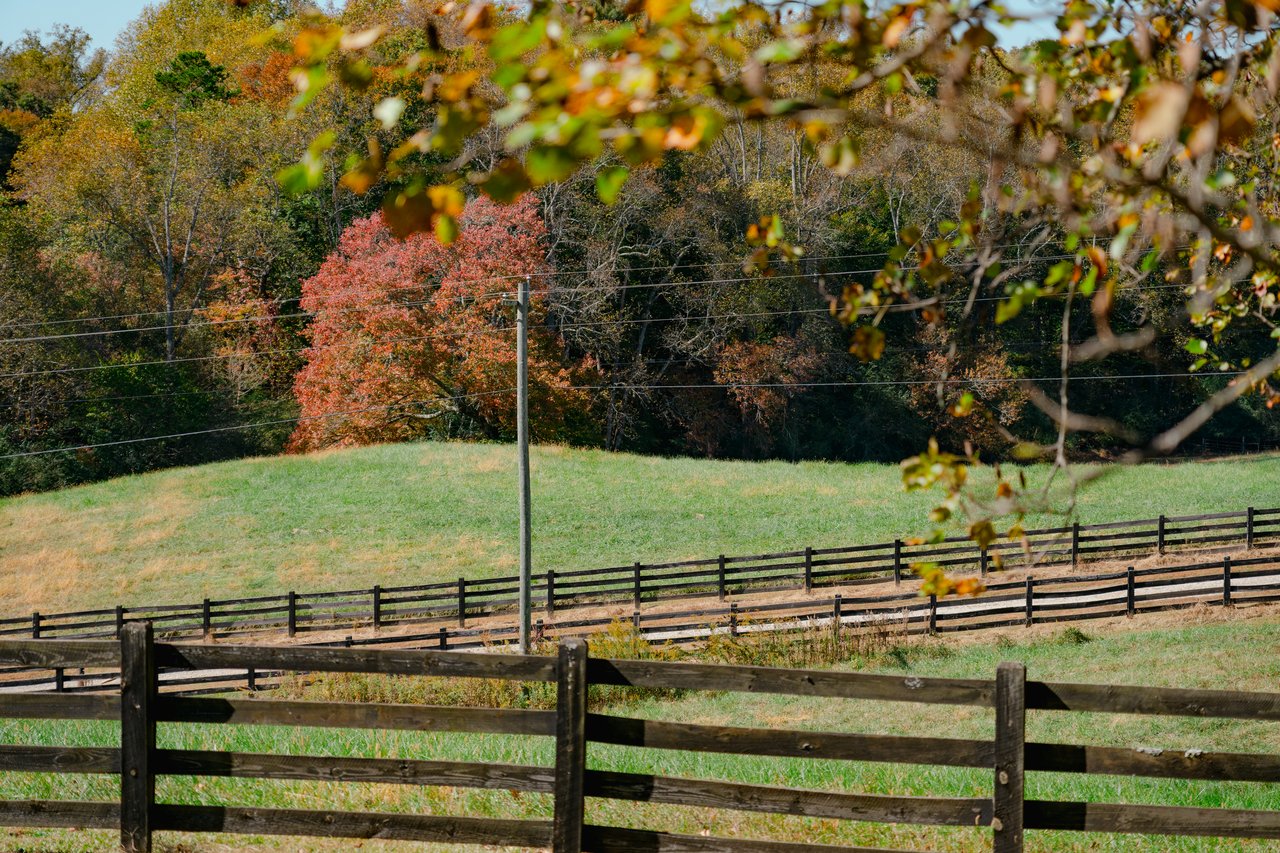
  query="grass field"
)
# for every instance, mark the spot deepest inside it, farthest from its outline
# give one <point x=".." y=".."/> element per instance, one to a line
<point x="407" y="514"/>
<point x="1216" y="653"/>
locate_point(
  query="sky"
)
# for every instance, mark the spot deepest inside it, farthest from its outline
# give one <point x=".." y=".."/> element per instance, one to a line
<point x="104" y="19"/>
<point x="101" y="19"/>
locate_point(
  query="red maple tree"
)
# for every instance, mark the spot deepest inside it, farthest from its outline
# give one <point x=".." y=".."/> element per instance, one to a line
<point x="414" y="338"/>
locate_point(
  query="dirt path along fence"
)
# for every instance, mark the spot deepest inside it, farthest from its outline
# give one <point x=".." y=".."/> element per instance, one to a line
<point x="140" y="708"/>
<point x="455" y="603"/>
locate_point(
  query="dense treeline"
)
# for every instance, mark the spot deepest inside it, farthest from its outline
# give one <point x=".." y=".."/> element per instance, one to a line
<point x="174" y="286"/>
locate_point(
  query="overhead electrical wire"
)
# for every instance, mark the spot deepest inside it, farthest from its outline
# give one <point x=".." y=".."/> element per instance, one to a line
<point x="60" y="371"/>
<point x="510" y="277"/>
<point x="234" y="427"/>
<point x="571" y="326"/>
<point x="895" y="382"/>
<point x="611" y="387"/>
<point x="581" y="288"/>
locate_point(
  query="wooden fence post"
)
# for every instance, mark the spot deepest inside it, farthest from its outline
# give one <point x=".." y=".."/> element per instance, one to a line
<point x="635" y="594"/>
<point x="1075" y="543"/>
<point x="808" y="569"/>
<point x="720" y="576"/>
<point x="35" y="625"/>
<point x="293" y="613"/>
<point x="982" y="561"/>
<point x="551" y="592"/>
<point x="897" y="562"/>
<point x="1030" y="614"/>
<point x="119" y="620"/>
<point x="1131" y="602"/>
<point x="376" y="606"/>
<point x="933" y="614"/>
<point x="571" y="747"/>
<point x="1160" y="523"/>
<point x="1248" y="529"/>
<point x="733" y="619"/>
<point x="1226" y="581"/>
<point x="206" y="619"/>
<point x="137" y="736"/>
<point x="444" y="638"/>
<point x="837" y="612"/>
<point x="1011" y="722"/>
<point x="462" y="602"/>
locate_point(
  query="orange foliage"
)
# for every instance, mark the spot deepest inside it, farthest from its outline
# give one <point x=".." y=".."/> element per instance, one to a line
<point x="268" y="80"/>
<point x="414" y="330"/>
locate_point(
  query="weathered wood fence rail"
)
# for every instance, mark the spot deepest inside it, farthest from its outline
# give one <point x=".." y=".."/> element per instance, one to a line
<point x="1224" y="581"/>
<point x="140" y="708"/>
<point x="453" y="603"/>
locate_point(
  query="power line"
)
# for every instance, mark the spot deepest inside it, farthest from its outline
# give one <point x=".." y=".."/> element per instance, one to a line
<point x="116" y="399"/>
<point x="690" y="318"/>
<point x="890" y="382"/>
<point x="505" y="277"/>
<point x="614" y="387"/>
<point x="235" y="427"/>
<point x="1029" y="346"/>
<point x="362" y="308"/>
<point x="581" y="288"/>
<point x="201" y="358"/>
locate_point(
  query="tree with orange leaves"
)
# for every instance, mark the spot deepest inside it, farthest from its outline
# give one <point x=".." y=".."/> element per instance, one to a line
<point x="414" y="338"/>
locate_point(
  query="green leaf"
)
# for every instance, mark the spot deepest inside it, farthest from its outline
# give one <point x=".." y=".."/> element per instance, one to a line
<point x="446" y="229"/>
<point x="1197" y="346"/>
<point x="506" y="183"/>
<point x="1059" y="272"/>
<point x="1007" y="310"/>
<point x="609" y="183"/>
<point x="1089" y="282"/>
<point x="296" y="179"/>
<point x="547" y="164"/>
<point x="514" y="40"/>
<point x="783" y="50"/>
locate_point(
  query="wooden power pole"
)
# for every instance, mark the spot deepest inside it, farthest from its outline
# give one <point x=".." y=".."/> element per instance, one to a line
<point x="522" y="440"/>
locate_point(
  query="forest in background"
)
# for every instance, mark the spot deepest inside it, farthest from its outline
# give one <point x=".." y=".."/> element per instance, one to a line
<point x="158" y="279"/>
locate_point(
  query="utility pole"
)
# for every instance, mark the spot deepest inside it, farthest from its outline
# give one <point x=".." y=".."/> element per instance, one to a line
<point x="522" y="440"/>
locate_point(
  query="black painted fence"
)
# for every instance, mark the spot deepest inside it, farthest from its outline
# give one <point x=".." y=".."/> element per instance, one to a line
<point x="1225" y="581"/>
<point x="1005" y="813"/>
<point x="807" y="569"/>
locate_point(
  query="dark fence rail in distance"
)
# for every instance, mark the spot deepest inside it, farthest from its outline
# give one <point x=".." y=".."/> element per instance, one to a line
<point x="140" y="708"/>
<point x="453" y="603"/>
<point x="1224" y="581"/>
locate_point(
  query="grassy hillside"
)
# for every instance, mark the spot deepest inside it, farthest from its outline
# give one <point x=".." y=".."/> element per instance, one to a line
<point x="414" y="513"/>
<point x="1190" y="655"/>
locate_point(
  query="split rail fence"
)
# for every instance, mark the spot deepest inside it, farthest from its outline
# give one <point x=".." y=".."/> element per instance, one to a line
<point x="1226" y="581"/>
<point x="1008" y="756"/>
<point x="454" y="603"/>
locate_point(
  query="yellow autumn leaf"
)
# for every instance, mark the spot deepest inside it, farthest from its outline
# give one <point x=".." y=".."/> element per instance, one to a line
<point x="1159" y="112"/>
<point x="446" y="200"/>
<point x="896" y="30"/>
<point x="455" y="86"/>
<point x="685" y="133"/>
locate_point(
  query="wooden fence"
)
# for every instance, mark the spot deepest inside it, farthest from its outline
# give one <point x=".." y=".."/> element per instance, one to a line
<point x="453" y="604"/>
<point x="1224" y="581"/>
<point x="140" y="708"/>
